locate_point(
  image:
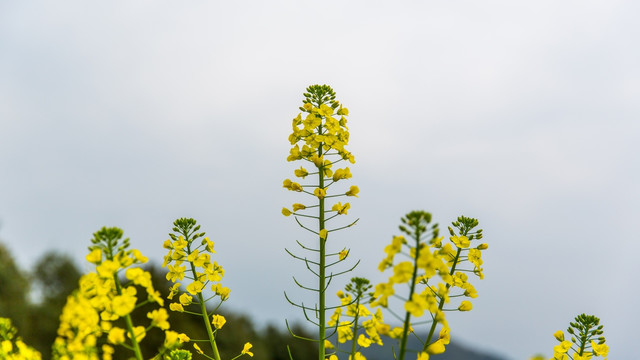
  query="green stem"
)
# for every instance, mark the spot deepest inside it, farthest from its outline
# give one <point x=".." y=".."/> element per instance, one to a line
<point x="433" y="325"/>
<point x="407" y="317"/>
<point x="583" y="341"/>
<point x="205" y="318"/>
<point x="355" y="329"/>
<point x="203" y="307"/>
<point x="322" y="277"/>
<point x="127" y="318"/>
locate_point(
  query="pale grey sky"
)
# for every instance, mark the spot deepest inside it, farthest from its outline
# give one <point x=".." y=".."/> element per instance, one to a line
<point x="522" y="114"/>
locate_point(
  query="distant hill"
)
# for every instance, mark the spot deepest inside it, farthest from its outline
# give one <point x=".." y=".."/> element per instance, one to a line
<point x="454" y="352"/>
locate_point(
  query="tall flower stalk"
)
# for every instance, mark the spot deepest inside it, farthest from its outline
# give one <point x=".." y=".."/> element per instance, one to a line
<point x="428" y="260"/>
<point x="189" y="258"/>
<point x="103" y="299"/>
<point x="324" y="135"/>
<point x="357" y="324"/>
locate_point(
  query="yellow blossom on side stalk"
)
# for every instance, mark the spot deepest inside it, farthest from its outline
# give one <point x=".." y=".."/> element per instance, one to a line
<point x="341" y="209"/>
<point x="302" y="172"/>
<point x="218" y="321"/>
<point x="246" y="349"/>
<point x="436" y="348"/>
<point x="95" y="256"/>
<point x="559" y="335"/>
<point x="159" y="318"/>
<point x="465" y="306"/>
<point x="353" y="191"/>
<point x="174" y="339"/>
<point x="176" y="307"/>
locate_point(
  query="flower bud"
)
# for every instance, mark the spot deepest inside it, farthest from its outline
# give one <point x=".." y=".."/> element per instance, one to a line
<point x="559" y="335"/>
<point x="465" y="306"/>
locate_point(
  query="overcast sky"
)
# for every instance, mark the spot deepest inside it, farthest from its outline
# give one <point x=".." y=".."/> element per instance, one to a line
<point x="524" y="115"/>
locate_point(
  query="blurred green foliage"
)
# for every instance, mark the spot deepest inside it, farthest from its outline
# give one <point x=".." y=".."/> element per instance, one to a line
<point x="14" y="291"/>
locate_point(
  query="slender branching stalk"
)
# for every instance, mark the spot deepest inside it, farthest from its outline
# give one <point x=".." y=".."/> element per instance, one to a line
<point x="203" y="274"/>
<point x="428" y="260"/>
<point x="323" y="137"/>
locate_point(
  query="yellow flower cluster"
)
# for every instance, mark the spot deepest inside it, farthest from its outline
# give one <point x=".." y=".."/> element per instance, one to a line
<point x="583" y="342"/>
<point x="344" y="324"/>
<point x="427" y="264"/>
<point x="202" y="272"/>
<point x="324" y="136"/>
<point x="189" y="258"/>
<point x="79" y="329"/>
<point x="356" y="317"/>
<point x="560" y="351"/>
<point x="12" y="347"/>
<point x="428" y="260"/>
<point x="102" y="299"/>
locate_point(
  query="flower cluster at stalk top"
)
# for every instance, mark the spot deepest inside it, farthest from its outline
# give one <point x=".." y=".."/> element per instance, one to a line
<point x="319" y="139"/>
<point x="586" y="340"/>
<point x="102" y="299"/>
<point x="353" y="321"/>
<point x="189" y="264"/>
<point x="11" y="346"/>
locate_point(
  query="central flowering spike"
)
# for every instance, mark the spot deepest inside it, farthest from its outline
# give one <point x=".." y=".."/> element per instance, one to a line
<point x="319" y="139"/>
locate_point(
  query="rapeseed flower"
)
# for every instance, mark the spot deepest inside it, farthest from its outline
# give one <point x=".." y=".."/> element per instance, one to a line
<point x="159" y="318"/>
<point x="600" y="349"/>
<point x="341" y="209"/>
<point x="174" y="339"/>
<point x="246" y="349"/>
<point x="95" y="256"/>
<point x="436" y="348"/>
<point x="465" y="306"/>
<point x="176" y="307"/>
<point x="218" y="321"/>
<point x="116" y="335"/>
<point x="353" y="191"/>
<point x="559" y="335"/>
